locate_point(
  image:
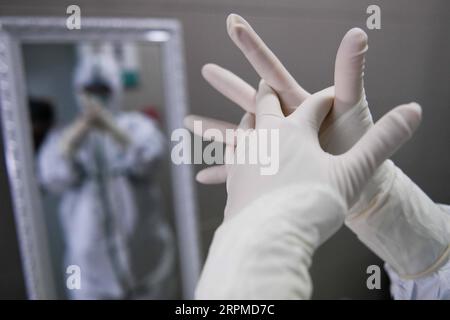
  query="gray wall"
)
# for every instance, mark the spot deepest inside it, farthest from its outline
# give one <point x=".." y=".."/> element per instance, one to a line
<point x="12" y="284"/>
<point x="407" y="60"/>
<point x="48" y="69"/>
<point x="48" y="74"/>
<point x="150" y="90"/>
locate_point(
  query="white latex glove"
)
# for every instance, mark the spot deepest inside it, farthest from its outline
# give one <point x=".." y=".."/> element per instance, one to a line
<point x="348" y="86"/>
<point x="272" y="246"/>
<point x="74" y="134"/>
<point x="393" y="216"/>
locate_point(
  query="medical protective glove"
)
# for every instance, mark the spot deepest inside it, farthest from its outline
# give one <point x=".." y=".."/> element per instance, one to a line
<point x="264" y="247"/>
<point x="393" y="217"/>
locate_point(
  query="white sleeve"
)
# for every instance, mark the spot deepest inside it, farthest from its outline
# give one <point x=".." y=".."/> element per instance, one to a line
<point x="434" y="286"/>
<point x="404" y="227"/>
<point x="265" y="251"/>
<point x="56" y="173"/>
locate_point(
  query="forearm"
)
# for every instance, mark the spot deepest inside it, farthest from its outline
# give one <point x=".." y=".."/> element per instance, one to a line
<point x="265" y="251"/>
<point x="56" y="172"/>
<point x="403" y="226"/>
<point x="73" y="135"/>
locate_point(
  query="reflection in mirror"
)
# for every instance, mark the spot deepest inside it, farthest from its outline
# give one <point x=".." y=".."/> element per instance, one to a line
<point x="102" y="163"/>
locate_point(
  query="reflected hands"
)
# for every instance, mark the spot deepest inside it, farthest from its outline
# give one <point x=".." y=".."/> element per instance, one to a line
<point x="96" y="115"/>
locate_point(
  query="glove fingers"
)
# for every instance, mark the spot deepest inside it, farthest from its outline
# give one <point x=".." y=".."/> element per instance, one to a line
<point x="268" y="108"/>
<point x="382" y="140"/>
<point x="349" y="70"/>
<point x="218" y="174"/>
<point x="212" y="175"/>
<point x="209" y="129"/>
<point x="315" y="108"/>
<point x="247" y="123"/>
<point x="231" y="86"/>
<point x="265" y="63"/>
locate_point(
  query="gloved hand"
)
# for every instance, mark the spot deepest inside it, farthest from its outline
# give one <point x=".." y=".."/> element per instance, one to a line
<point x="75" y="132"/>
<point x="100" y="118"/>
<point x="392" y="216"/>
<point x="348" y="89"/>
<point x="262" y="251"/>
<point x="93" y="116"/>
<point x="345" y="174"/>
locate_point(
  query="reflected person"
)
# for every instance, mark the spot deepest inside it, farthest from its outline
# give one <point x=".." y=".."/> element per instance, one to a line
<point x="104" y="166"/>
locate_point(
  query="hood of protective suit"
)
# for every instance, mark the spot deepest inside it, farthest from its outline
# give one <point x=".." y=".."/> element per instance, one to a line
<point x="98" y="73"/>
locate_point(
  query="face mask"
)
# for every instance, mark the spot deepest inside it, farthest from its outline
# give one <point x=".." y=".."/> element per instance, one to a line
<point x="99" y="89"/>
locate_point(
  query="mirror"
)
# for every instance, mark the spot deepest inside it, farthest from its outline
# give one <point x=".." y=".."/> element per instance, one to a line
<point x="105" y="214"/>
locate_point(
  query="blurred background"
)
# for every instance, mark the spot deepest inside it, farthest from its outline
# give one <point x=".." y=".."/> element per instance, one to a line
<point x="407" y="60"/>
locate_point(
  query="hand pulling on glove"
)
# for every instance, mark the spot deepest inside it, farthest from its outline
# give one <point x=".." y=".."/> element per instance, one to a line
<point x="392" y="216"/>
<point x="302" y="159"/>
<point x="265" y="245"/>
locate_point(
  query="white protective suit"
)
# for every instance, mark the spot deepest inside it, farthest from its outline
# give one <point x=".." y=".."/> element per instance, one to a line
<point x="114" y="226"/>
<point x="435" y="286"/>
